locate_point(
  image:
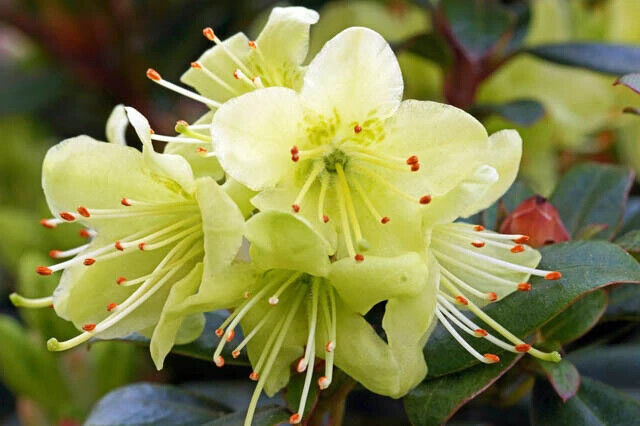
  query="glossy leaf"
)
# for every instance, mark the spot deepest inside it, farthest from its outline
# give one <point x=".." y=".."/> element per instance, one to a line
<point x="632" y="81"/>
<point x="264" y="416"/>
<point x="585" y="265"/>
<point x="594" y="404"/>
<point x="522" y="112"/>
<point x="593" y="195"/>
<point x="434" y="401"/>
<point x="577" y="319"/>
<point x="624" y="303"/>
<point x="607" y="58"/>
<point x="617" y="365"/>
<point x="153" y="404"/>
<point x="630" y="241"/>
<point x="563" y="376"/>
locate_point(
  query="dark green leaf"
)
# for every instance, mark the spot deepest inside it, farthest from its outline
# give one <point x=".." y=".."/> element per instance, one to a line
<point x="577" y="319"/>
<point x="264" y="416"/>
<point x="594" y="404"/>
<point x="624" y="303"/>
<point x="630" y="241"/>
<point x="152" y="404"/>
<point x="593" y="194"/>
<point x="523" y="112"/>
<point x="477" y="26"/>
<point x="607" y="58"/>
<point x="631" y="220"/>
<point x="616" y="365"/>
<point x="632" y="81"/>
<point x="433" y="402"/>
<point x="585" y="265"/>
<point x="294" y="389"/>
<point x="429" y="46"/>
<point x="203" y="346"/>
<point x="563" y="376"/>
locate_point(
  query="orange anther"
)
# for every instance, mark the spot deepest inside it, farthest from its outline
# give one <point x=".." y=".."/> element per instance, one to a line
<point x="111" y="306"/>
<point x="89" y="327"/>
<point x="84" y="233"/>
<point x="357" y="128"/>
<point x="231" y="335"/>
<point x="120" y="280"/>
<point x="153" y="75"/>
<point x="478" y="228"/>
<point x="119" y="246"/>
<point x="151" y="131"/>
<point x="252" y="44"/>
<point x="254" y="376"/>
<point x="330" y="346"/>
<point x="141" y="246"/>
<point x="208" y="33"/>
<point x="358" y="257"/>
<point x="492" y="296"/>
<point x="323" y="383"/>
<point x="43" y="270"/>
<point x="325" y="218"/>
<point x="219" y="361"/>
<point x="415" y="167"/>
<point x="125" y="202"/>
<point x="235" y="354"/>
<point x="384" y="220"/>
<point x="295" y="207"/>
<point x="478" y="244"/>
<point x="462" y="300"/>
<point x="196" y="65"/>
<point x="522" y="239"/>
<point x="425" y="199"/>
<point x="54" y="254"/>
<point x="295" y="158"/>
<point x="83" y="211"/>
<point x="555" y="275"/>
<point x="294" y="150"/>
<point x="524" y="347"/>
<point x="524" y="286"/>
<point x="302" y="365"/>
<point x="236" y="74"/>
<point x="480" y="332"/>
<point x="492" y="358"/>
<point x="412" y="160"/>
<point x="47" y="223"/>
<point x="88" y="261"/>
<point x="517" y="249"/>
<point x="67" y="216"/>
<point x="295" y="419"/>
<point x="219" y="332"/>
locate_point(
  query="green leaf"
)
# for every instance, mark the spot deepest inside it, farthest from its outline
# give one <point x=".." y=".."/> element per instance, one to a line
<point x="113" y="364"/>
<point x="594" y="404"/>
<point x="617" y="365"/>
<point x="577" y="319"/>
<point x="477" y="27"/>
<point x="294" y="392"/>
<point x="203" y="346"/>
<point x="430" y="46"/>
<point x="433" y="402"/>
<point x="585" y="265"/>
<point x="523" y="112"/>
<point x="29" y="370"/>
<point x="631" y="219"/>
<point x="153" y="404"/>
<point x="632" y="81"/>
<point x="624" y="303"/>
<point x="563" y="376"/>
<point x="630" y="241"/>
<point x="593" y="194"/>
<point x="607" y="58"/>
<point x="264" y="416"/>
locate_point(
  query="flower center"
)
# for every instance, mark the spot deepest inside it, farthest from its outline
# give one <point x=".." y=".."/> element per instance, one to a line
<point x="336" y="156"/>
<point x="176" y="232"/>
<point x="285" y="292"/>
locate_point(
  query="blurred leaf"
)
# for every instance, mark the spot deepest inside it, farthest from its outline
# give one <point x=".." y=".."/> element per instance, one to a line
<point x="630" y="241"/>
<point x="523" y="112"/>
<point x="429" y="46"/>
<point x="293" y="392"/>
<point x="607" y="58"/>
<point x="203" y="346"/>
<point x="631" y="220"/>
<point x="563" y="376"/>
<point x="593" y="194"/>
<point x="594" y="404"/>
<point x="632" y="81"/>
<point x="478" y="26"/>
<point x="577" y="319"/>
<point x="624" y="303"/>
<point x="152" y="404"/>
<point x="25" y="92"/>
<point x="264" y="416"/>
<point x="29" y="370"/>
<point x="434" y="401"/>
<point x="585" y="266"/>
<point x="616" y="365"/>
<point x="113" y="364"/>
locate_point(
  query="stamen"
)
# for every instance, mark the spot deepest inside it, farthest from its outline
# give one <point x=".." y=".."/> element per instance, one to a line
<point x="517" y="249"/>
<point x="208" y="33"/>
<point x="357" y="232"/>
<point x="89" y="261"/>
<point x="89" y="327"/>
<point x="120" y="280"/>
<point x="111" y="306"/>
<point x="523" y="347"/>
<point x="67" y="216"/>
<point x="346" y="230"/>
<point x="367" y="202"/>
<point x="459" y="338"/>
<point x="384" y="182"/>
<point x="273" y="300"/>
<point x="492" y="358"/>
<point x="478" y="244"/>
<point x="521" y="240"/>
<point x="318" y="167"/>
<point x="425" y="199"/>
<point x="156" y="77"/>
<point x="60" y="254"/>
<point x="524" y="287"/>
<point x="43" y="270"/>
<point x="198" y="66"/>
<point x="253" y="332"/>
<point x="478" y="228"/>
<point x="219" y="361"/>
<point x="183" y="128"/>
<point x="462" y="300"/>
<point x="26" y="302"/>
<point x="553" y="275"/>
<point x="239" y="75"/>
<point x="323" y="383"/>
<point x="50" y="223"/>
<point x="176" y="139"/>
<point x="357" y="128"/>
<point x="324" y="184"/>
<point x="87" y="233"/>
<point x="308" y="355"/>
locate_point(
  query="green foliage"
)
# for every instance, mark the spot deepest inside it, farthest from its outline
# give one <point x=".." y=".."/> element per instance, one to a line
<point x="607" y="58"/>
<point x="521" y="112"/>
<point x="563" y="377"/>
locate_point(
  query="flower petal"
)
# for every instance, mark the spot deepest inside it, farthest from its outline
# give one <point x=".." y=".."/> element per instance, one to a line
<point x="505" y="151"/>
<point x="362" y="285"/>
<point x="448" y="142"/>
<point x="218" y="62"/>
<point x="173" y="166"/>
<point x="283" y="241"/>
<point x="171" y="319"/>
<point x="356" y="76"/>
<point x="283" y="45"/>
<point x="117" y="124"/>
<point x="254" y="133"/>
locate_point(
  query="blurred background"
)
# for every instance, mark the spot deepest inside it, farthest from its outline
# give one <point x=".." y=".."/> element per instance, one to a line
<point x="64" y="64"/>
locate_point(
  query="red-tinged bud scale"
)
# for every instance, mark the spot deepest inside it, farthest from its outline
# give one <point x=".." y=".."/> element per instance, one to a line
<point x="538" y="221"/>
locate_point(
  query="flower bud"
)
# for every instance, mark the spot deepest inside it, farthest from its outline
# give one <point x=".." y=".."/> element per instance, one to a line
<point x="537" y="218"/>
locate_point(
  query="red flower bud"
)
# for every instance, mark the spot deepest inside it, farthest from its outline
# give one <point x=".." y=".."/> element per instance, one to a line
<point x="538" y="219"/>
